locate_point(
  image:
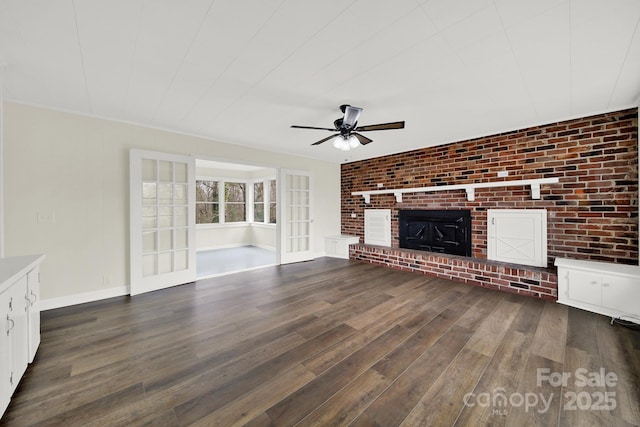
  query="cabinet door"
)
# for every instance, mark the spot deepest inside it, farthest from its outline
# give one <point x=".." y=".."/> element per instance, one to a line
<point x="5" y="361"/>
<point x="33" y="297"/>
<point x="330" y="246"/>
<point x="621" y="294"/>
<point x="377" y="227"/>
<point x="342" y="248"/>
<point x="584" y="287"/>
<point x="18" y="345"/>
<point x="517" y="236"/>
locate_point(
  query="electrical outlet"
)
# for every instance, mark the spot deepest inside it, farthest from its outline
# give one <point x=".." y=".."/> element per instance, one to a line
<point x="353" y="215"/>
<point x="503" y="174"/>
<point x="380" y="185"/>
<point x="46" y="217"/>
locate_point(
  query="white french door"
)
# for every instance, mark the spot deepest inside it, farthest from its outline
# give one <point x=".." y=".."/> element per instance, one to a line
<point x="295" y="216"/>
<point x="162" y="224"/>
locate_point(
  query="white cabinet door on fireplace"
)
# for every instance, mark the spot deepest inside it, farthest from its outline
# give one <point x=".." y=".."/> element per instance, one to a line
<point x="377" y="227"/>
<point x="518" y="236"/>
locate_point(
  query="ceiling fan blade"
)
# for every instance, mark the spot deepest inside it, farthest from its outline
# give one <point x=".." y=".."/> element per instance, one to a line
<point x="381" y="126"/>
<point x="363" y="139"/>
<point x="351" y="116"/>
<point x="326" y="139"/>
<point x="312" y="127"/>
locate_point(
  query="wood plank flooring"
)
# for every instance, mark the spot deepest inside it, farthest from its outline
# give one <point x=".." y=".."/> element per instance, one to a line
<point x="328" y="342"/>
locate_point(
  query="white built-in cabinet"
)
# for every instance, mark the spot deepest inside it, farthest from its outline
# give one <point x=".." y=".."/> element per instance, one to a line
<point x="604" y="288"/>
<point x="19" y="320"/>
<point x="338" y="246"/>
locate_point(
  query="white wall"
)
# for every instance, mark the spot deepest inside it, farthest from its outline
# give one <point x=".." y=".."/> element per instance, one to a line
<point x="236" y="234"/>
<point x="223" y="236"/>
<point x="264" y="235"/>
<point x="74" y="169"/>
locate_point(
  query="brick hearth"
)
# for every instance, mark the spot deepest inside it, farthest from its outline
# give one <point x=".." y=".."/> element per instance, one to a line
<point x="530" y="281"/>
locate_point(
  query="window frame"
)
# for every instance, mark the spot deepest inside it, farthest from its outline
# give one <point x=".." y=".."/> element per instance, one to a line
<point x="247" y="192"/>
<point x="266" y="202"/>
<point x="218" y="202"/>
<point x="257" y="203"/>
<point x="249" y="201"/>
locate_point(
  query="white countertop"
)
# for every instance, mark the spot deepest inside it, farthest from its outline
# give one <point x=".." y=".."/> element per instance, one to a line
<point x="12" y="268"/>
<point x="342" y="237"/>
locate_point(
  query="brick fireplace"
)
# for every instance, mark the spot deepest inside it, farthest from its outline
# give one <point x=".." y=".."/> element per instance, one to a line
<point x="593" y="210"/>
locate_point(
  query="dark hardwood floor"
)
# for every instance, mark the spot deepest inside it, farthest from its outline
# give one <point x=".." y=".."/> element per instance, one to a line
<point x="329" y="342"/>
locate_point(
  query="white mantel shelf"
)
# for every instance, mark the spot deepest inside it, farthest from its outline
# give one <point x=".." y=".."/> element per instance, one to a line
<point x="469" y="188"/>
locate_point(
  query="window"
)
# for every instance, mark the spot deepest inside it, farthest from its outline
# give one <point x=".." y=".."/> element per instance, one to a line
<point x="258" y="202"/>
<point x="207" y="202"/>
<point x="219" y="201"/>
<point x="264" y="201"/>
<point x="235" y="209"/>
<point x="272" y="201"/>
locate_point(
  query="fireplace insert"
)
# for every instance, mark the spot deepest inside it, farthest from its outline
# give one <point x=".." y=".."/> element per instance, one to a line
<point x="444" y="231"/>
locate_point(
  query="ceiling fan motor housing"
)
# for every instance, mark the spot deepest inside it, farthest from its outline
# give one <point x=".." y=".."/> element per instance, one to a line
<point x="344" y="129"/>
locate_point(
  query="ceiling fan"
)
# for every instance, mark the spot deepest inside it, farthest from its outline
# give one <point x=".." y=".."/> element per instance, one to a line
<point x="347" y="136"/>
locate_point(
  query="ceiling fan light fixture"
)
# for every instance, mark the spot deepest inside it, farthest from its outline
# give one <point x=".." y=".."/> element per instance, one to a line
<point x="344" y="143"/>
<point x="353" y="142"/>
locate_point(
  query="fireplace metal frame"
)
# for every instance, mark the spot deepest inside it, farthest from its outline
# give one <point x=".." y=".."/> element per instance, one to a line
<point x="443" y="231"/>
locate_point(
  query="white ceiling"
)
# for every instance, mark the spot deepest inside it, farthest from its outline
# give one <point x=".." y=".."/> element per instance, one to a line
<point x="243" y="71"/>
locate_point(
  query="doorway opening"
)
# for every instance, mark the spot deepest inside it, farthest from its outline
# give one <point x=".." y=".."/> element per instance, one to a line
<point x="236" y="217"/>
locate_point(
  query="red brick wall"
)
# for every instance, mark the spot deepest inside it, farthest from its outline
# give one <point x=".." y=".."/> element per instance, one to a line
<point x="592" y="211"/>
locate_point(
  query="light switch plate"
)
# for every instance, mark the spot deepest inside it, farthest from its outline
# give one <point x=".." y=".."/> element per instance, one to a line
<point x="46" y="217"/>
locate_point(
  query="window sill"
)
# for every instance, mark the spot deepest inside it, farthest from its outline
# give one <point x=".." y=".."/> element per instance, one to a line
<point x="224" y="225"/>
<point x="235" y="225"/>
<point x="263" y="225"/>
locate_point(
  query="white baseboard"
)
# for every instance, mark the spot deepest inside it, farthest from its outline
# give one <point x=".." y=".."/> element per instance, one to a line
<point x="269" y="248"/>
<point x="237" y="245"/>
<point x="51" y="303"/>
